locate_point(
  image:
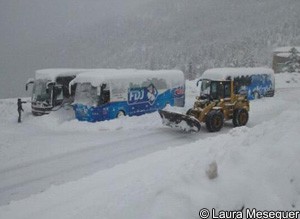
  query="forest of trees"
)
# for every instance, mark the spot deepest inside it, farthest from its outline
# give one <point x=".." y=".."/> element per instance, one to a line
<point x="191" y="35"/>
<point x="195" y="35"/>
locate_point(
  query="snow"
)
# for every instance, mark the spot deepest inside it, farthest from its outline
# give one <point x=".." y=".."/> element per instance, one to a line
<point x="53" y="73"/>
<point x="284" y="54"/>
<point x="285" y="49"/>
<point x="290" y="80"/>
<point x="136" y="168"/>
<point x="99" y="76"/>
<point x="223" y="73"/>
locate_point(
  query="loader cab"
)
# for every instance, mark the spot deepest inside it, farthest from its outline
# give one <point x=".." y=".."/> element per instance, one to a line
<point x="215" y="90"/>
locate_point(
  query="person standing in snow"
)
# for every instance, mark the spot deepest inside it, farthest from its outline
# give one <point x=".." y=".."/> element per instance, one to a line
<point x="20" y="108"/>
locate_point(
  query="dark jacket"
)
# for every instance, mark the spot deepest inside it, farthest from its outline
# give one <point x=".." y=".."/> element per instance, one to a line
<point x="20" y="105"/>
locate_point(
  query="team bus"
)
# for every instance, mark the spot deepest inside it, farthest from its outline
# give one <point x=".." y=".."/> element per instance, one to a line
<point x="108" y="93"/>
<point x="51" y="89"/>
<point x="251" y="82"/>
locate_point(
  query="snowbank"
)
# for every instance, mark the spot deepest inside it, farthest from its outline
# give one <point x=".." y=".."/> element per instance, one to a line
<point x="287" y="80"/>
<point x="258" y="167"/>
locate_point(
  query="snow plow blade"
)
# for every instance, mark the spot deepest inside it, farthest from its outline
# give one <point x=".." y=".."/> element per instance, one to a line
<point x="180" y="121"/>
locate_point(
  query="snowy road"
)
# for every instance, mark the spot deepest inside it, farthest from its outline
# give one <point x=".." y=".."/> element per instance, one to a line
<point x="31" y="177"/>
<point x="55" y="149"/>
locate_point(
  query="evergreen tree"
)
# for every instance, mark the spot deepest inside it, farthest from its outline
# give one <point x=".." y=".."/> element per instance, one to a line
<point x="191" y="74"/>
<point x="293" y="63"/>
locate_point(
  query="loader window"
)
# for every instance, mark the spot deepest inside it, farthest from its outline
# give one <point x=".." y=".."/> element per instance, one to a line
<point x="219" y="90"/>
<point x="205" y="87"/>
<point x="214" y="90"/>
<point x="227" y="90"/>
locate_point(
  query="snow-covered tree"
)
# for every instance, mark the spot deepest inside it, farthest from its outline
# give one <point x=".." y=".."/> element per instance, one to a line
<point x="293" y="63"/>
<point x="191" y="73"/>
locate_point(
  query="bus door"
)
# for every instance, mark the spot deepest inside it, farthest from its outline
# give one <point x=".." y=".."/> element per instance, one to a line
<point x="56" y="92"/>
<point x="103" y="92"/>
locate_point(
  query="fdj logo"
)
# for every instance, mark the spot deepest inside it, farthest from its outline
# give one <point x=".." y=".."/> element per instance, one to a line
<point x="142" y="95"/>
<point x="136" y="95"/>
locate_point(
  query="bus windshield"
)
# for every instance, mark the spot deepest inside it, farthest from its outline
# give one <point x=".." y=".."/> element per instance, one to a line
<point x="86" y="94"/>
<point x="39" y="92"/>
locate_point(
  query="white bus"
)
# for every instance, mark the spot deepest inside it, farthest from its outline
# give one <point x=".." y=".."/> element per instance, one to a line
<point x="108" y="93"/>
<point x="50" y="89"/>
<point x="251" y="82"/>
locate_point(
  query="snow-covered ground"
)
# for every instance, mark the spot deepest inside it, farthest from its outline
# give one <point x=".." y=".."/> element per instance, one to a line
<point x="56" y="167"/>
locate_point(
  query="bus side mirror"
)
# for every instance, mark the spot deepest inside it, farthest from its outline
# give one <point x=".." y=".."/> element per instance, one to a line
<point x="29" y="81"/>
<point x="49" y="84"/>
<point x="197" y="84"/>
<point x="72" y="86"/>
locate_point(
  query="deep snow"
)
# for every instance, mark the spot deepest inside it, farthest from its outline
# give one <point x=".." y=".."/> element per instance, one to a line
<point x="224" y="73"/>
<point x="144" y="170"/>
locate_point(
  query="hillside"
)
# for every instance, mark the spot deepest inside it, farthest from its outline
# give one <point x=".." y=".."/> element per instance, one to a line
<point x="150" y="34"/>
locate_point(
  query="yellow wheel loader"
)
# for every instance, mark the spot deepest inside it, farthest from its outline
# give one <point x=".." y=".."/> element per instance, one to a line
<point x="217" y="103"/>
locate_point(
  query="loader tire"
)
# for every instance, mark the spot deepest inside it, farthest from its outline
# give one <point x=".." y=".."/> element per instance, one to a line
<point x="214" y="121"/>
<point x="189" y="111"/>
<point x="240" y="117"/>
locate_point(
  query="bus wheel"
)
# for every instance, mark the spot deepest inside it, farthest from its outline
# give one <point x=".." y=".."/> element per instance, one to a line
<point x="214" y="121"/>
<point x="240" y="117"/>
<point x="120" y="114"/>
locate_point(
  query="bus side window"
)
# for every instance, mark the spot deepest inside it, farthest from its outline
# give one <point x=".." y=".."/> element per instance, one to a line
<point x="104" y="95"/>
<point x="58" y="93"/>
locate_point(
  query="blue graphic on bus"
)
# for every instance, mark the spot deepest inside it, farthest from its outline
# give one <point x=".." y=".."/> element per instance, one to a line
<point x="254" y="86"/>
<point x="142" y="95"/>
<point x="140" y="101"/>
